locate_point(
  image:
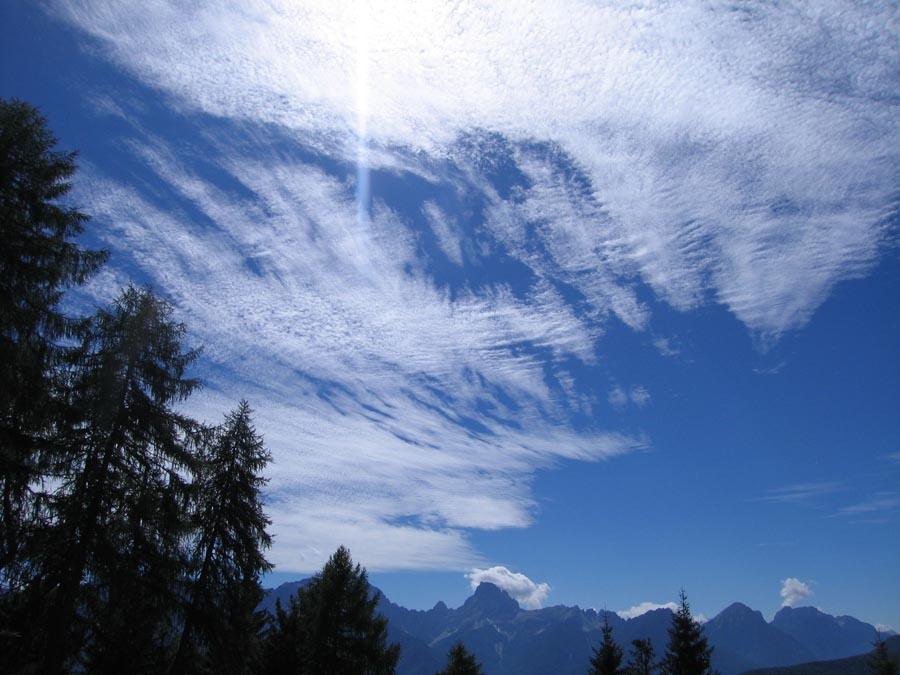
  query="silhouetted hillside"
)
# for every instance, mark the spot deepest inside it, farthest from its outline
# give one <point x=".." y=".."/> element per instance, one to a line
<point x="854" y="665"/>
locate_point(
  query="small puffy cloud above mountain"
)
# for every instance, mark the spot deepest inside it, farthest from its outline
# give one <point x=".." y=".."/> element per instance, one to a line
<point x="645" y="607"/>
<point x="793" y="591"/>
<point x="526" y="592"/>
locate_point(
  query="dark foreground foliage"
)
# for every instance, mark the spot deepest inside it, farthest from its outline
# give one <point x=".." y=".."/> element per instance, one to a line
<point x="687" y="652"/>
<point x="461" y="662"/>
<point x="132" y="537"/>
<point x="883" y="660"/>
<point x="331" y="626"/>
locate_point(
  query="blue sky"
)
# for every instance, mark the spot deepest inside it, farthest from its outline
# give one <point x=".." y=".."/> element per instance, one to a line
<point x="592" y="300"/>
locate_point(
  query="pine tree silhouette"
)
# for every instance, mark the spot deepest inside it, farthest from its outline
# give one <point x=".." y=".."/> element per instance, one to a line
<point x="461" y="662"/>
<point x="687" y="652"/>
<point x="607" y="660"/>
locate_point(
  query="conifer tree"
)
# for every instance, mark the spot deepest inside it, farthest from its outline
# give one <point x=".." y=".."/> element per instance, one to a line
<point x="39" y="261"/>
<point x="642" y="658"/>
<point x="607" y="660"/>
<point x="332" y="627"/>
<point x="95" y="507"/>
<point x="282" y="649"/>
<point x="130" y="608"/>
<point x="687" y="652"/>
<point x="880" y="661"/>
<point x="220" y="625"/>
<point x="461" y="662"/>
<point x="127" y="454"/>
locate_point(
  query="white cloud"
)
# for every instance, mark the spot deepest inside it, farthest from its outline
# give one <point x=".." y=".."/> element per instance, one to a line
<point x="878" y="503"/>
<point x="747" y="154"/>
<point x="640" y="396"/>
<point x="747" y="158"/>
<point x="666" y="347"/>
<point x="800" y="492"/>
<point x="645" y="607"/>
<point x="793" y="591"/>
<point x="619" y="397"/>
<point x="367" y="379"/>
<point x="445" y="231"/>
<point x="522" y="589"/>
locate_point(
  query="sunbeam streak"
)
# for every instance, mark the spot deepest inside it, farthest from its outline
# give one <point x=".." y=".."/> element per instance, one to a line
<point x="362" y="112"/>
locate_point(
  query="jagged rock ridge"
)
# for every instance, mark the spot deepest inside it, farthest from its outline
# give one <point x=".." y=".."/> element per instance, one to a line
<point x="509" y="640"/>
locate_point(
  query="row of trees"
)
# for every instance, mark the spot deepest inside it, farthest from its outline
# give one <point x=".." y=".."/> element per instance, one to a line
<point x="132" y="537"/>
<point x="687" y="652"/>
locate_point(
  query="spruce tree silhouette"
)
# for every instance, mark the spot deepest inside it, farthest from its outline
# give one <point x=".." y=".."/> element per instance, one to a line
<point x="880" y="661"/>
<point x="118" y="524"/>
<point x="641" y="661"/>
<point x="607" y="660"/>
<point x="461" y="662"/>
<point x="220" y="624"/>
<point x="331" y="626"/>
<point x="39" y="261"/>
<point x="687" y="652"/>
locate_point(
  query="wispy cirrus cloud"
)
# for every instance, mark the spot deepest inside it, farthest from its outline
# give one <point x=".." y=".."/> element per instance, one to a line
<point x="742" y="156"/>
<point x="800" y="492"/>
<point x="747" y="153"/>
<point x="372" y="382"/>
<point x="880" y="503"/>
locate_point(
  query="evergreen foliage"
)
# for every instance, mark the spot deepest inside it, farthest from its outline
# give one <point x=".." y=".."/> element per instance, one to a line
<point x="607" y="660"/>
<point x="220" y="624"/>
<point x="39" y="260"/>
<point x="127" y="530"/>
<point x="118" y="521"/>
<point x="687" y="652"/>
<point x="642" y="658"/>
<point x="880" y="662"/>
<point x="461" y="662"/>
<point x="332" y="626"/>
<point x="283" y="649"/>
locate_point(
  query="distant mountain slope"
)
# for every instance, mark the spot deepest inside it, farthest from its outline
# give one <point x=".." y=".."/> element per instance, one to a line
<point x="508" y="640"/>
<point x="854" y="665"/>
<point x="743" y="640"/>
<point x="282" y="593"/>
<point x="826" y="636"/>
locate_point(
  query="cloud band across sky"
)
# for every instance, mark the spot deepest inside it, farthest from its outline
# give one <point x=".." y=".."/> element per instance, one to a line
<point x="532" y="176"/>
<point x="736" y="150"/>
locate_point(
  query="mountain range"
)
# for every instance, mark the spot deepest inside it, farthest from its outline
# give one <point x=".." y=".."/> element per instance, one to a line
<point x="509" y="640"/>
